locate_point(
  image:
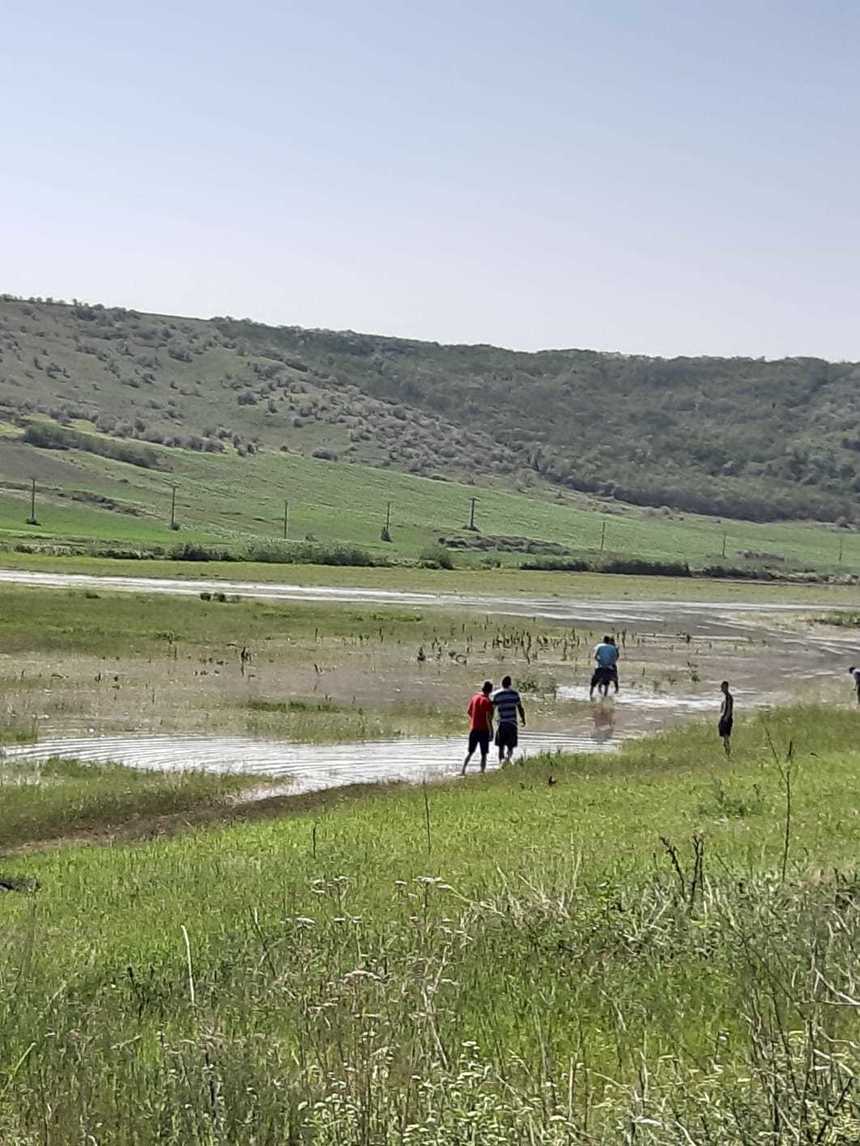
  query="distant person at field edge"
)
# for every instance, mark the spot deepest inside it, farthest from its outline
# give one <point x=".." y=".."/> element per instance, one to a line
<point x="508" y="704"/>
<point x="480" y="712"/>
<point x="855" y="672"/>
<point x="727" y="717"/>
<point x="606" y="656"/>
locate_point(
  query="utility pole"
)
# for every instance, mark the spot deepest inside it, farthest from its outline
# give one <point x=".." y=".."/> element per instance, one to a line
<point x="173" y="524"/>
<point x="602" y="535"/>
<point x="31" y="520"/>
<point x="286" y="518"/>
<point x="473" y="501"/>
<point x="386" y="529"/>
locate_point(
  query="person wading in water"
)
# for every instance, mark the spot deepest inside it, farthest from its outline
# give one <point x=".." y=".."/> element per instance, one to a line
<point x="606" y="667"/>
<point x="508" y="703"/>
<point x="480" y="725"/>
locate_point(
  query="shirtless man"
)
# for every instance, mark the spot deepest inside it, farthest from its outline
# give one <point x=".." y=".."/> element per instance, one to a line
<point x="727" y="716"/>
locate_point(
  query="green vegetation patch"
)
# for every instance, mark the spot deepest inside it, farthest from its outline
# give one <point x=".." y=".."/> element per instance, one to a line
<point x="49" y="436"/>
<point x="843" y="620"/>
<point x="58" y="798"/>
<point x="16" y="728"/>
<point x="552" y="954"/>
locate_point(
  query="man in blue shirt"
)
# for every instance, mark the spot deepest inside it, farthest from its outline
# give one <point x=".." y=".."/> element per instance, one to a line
<point x="606" y="667"/>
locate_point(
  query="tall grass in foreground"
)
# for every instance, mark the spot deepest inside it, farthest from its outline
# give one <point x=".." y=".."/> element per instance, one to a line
<point x="659" y="948"/>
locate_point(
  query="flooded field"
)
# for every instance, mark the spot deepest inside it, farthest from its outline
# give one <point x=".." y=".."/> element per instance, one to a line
<point x="323" y="687"/>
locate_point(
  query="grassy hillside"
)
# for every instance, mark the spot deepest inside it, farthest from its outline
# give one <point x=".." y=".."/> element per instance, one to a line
<point x="226" y="500"/>
<point x="739" y="437"/>
<point x="640" y="949"/>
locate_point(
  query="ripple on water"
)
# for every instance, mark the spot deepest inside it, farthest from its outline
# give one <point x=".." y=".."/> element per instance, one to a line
<point x="308" y="767"/>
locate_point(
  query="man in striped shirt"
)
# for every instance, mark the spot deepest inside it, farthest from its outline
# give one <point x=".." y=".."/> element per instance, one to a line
<point x="507" y="703"/>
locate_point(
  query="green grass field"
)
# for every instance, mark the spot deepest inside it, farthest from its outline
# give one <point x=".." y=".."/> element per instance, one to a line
<point x="230" y="501"/>
<point x="659" y="947"/>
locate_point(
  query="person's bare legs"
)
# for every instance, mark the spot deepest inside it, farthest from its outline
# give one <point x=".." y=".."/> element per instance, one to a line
<point x="727" y="744"/>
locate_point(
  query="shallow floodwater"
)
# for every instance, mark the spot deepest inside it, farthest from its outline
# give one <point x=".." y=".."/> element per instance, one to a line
<point x="608" y="611"/>
<point x="307" y="767"/>
<point x="762" y="648"/>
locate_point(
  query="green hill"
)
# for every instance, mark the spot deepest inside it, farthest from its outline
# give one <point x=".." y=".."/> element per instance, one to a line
<point x="738" y="437"/>
<point x="226" y="500"/>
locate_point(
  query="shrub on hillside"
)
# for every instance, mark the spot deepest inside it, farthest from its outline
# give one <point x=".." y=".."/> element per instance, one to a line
<point x="309" y="553"/>
<point x="435" y="557"/>
<point x="737" y="573"/>
<point x="192" y="551"/>
<point x="637" y="566"/>
<point x="278" y="553"/>
<point x="557" y="565"/>
<point x="47" y="436"/>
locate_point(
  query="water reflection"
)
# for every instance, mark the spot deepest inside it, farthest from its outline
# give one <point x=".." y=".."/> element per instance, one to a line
<point x="603" y="720"/>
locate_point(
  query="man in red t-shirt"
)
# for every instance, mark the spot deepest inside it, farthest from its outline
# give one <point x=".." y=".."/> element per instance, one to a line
<point x="480" y="724"/>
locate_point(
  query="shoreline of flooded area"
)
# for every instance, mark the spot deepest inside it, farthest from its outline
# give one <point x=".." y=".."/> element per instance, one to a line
<point x="307" y="767"/>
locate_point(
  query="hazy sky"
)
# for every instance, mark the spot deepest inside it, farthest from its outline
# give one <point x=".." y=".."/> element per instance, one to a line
<point x="659" y="177"/>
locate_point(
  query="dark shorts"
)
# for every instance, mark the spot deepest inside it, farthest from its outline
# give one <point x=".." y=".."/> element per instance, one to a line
<point x="603" y="675"/>
<point x="725" y="726"/>
<point x="507" y="736"/>
<point x="479" y="739"/>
